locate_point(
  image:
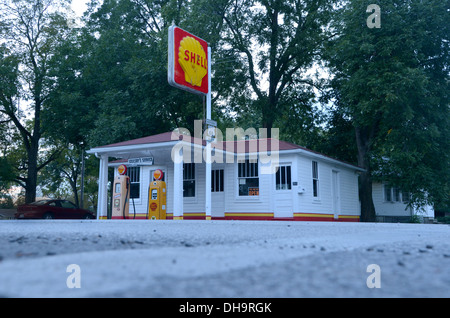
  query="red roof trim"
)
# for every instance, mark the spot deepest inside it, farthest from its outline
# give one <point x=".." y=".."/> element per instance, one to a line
<point x="236" y="147"/>
<point x="164" y="137"/>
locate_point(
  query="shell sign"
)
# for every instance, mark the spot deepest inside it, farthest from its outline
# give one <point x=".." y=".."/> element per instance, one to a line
<point x="158" y="174"/>
<point x="188" y="61"/>
<point x="122" y="169"/>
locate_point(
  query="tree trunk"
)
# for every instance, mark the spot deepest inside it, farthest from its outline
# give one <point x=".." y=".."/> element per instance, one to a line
<point x="365" y="187"/>
<point x="33" y="151"/>
<point x="365" y="192"/>
<point x="73" y="185"/>
<point x="31" y="181"/>
<point x="268" y="125"/>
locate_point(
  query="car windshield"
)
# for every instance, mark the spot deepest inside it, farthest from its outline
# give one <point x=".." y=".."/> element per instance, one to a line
<point x="40" y="202"/>
<point x="67" y="204"/>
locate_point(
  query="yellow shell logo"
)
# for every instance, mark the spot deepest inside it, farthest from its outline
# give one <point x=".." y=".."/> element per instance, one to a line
<point x="192" y="59"/>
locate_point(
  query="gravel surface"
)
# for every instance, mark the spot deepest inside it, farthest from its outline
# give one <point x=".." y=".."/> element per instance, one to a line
<point x="134" y="258"/>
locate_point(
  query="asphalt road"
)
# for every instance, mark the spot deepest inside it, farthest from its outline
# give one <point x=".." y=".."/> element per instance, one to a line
<point x="134" y="258"/>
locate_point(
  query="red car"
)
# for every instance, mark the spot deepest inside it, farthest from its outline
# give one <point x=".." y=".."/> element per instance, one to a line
<point x="52" y="209"/>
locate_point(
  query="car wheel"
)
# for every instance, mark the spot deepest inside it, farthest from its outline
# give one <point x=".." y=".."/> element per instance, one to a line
<point x="87" y="217"/>
<point x="48" y="216"/>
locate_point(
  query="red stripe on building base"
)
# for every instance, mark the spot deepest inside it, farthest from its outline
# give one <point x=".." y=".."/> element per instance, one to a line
<point x="314" y="217"/>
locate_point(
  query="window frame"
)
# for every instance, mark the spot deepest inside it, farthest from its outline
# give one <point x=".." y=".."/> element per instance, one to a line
<point x="279" y="184"/>
<point x="131" y="173"/>
<point x="396" y="194"/>
<point x="387" y="193"/>
<point x="315" y="179"/>
<point x="247" y="169"/>
<point x="189" y="175"/>
<point x="406" y="197"/>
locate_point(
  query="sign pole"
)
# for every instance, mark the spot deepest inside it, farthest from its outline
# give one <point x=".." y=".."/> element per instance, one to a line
<point x="208" y="145"/>
<point x="189" y="64"/>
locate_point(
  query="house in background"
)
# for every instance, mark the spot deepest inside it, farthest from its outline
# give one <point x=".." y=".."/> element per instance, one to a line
<point x="391" y="205"/>
<point x="307" y="185"/>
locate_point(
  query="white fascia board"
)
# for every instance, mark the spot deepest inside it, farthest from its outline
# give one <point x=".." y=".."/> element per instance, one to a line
<point x="311" y="155"/>
<point x="112" y="150"/>
<point x="299" y="152"/>
<point x="324" y="158"/>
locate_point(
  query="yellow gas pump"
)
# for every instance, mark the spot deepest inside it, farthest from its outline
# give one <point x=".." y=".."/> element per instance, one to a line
<point x="157" y="197"/>
<point x="121" y="194"/>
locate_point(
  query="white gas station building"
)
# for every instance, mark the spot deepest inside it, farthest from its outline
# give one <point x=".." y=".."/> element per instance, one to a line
<point x="253" y="179"/>
<point x="261" y="179"/>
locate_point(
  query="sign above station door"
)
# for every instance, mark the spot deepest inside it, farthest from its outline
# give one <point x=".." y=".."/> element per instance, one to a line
<point x="188" y="61"/>
<point x="145" y="161"/>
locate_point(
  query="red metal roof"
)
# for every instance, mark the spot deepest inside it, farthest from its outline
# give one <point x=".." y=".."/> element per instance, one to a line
<point x="242" y="146"/>
<point x="164" y="137"/>
<point x="225" y="145"/>
<point x="256" y="145"/>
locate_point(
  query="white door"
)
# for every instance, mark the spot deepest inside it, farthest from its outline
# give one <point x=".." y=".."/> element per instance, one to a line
<point x="283" y="192"/>
<point x="335" y="192"/>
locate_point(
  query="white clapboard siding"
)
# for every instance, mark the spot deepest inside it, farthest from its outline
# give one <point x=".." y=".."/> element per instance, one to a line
<point x="300" y="196"/>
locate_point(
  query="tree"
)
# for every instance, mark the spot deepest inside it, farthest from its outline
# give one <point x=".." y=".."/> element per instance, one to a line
<point x="392" y="83"/>
<point x="66" y="169"/>
<point x="30" y="31"/>
<point x="110" y="85"/>
<point x="276" y="42"/>
<point x="114" y="76"/>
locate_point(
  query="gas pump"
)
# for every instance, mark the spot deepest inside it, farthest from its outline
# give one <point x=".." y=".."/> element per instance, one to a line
<point x="121" y="194"/>
<point x="157" y="197"/>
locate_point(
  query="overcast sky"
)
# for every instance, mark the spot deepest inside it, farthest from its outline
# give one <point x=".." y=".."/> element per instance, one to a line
<point x="79" y="6"/>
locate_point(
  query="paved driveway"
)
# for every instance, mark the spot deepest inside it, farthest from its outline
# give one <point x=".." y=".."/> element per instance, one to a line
<point x="135" y="258"/>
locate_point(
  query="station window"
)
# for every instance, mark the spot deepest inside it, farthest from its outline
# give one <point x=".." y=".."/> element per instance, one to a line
<point x="248" y="178"/>
<point x="315" y="177"/>
<point x="189" y="180"/>
<point x="135" y="183"/>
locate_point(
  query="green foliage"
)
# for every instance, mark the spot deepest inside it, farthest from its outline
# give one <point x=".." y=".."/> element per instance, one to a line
<point x="30" y="31"/>
<point x="278" y="42"/>
<point x="117" y="77"/>
<point x="106" y="82"/>
<point x="444" y="219"/>
<point x="415" y="219"/>
<point x="393" y="84"/>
